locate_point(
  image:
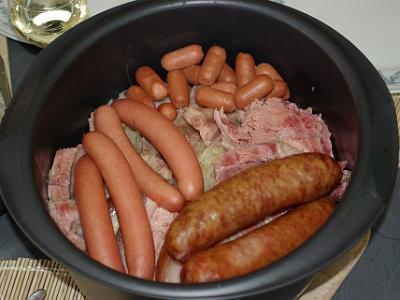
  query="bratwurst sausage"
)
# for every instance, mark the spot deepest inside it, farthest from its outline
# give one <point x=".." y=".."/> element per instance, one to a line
<point x="128" y="202"/>
<point x="167" y="139"/>
<point x="260" y="247"/>
<point x="93" y="210"/>
<point x="244" y="199"/>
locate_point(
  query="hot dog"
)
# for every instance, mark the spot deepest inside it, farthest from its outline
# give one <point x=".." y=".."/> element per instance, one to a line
<point x="245" y="69"/>
<point x="96" y="224"/>
<point x="280" y="90"/>
<point x="260" y="247"/>
<point x="212" y="65"/>
<point x="106" y="121"/>
<point x="169" y="141"/>
<point x="178" y="88"/>
<point x="255" y="89"/>
<point x="191" y="74"/>
<point x="244" y="199"/>
<point x="128" y="202"/>
<point x="135" y="92"/>
<point x="227" y="74"/>
<point x="267" y="69"/>
<point x="212" y="98"/>
<point x="182" y="57"/>
<point x="168" y="110"/>
<point x="225" y="87"/>
<point x="148" y="79"/>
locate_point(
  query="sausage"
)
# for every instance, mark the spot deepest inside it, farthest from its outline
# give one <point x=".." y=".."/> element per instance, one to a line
<point x="212" y="65"/>
<point x="227" y="74"/>
<point x="213" y="98"/>
<point x="256" y="89"/>
<point x="167" y="269"/>
<point x="280" y="90"/>
<point x="93" y="211"/>
<point x="225" y="87"/>
<point x="148" y="79"/>
<point x="246" y="198"/>
<point x="169" y="141"/>
<point x="267" y="69"/>
<point x="135" y="92"/>
<point x="245" y="69"/>
<point x="191" y="74"/>
<point x="128" y="202"/>
<point x="178" y="88"/>
<point x="260" y="247"/>
<point x="168" y="110"/>
<point x="182" y="57"/>
<point x="106" y="121"/>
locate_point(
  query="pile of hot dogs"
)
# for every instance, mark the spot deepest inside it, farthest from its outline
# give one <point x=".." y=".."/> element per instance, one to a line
<point x="195" y="245"/>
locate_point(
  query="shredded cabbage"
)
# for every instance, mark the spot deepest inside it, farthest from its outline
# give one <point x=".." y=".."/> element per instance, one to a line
<point x="207" y="159"/>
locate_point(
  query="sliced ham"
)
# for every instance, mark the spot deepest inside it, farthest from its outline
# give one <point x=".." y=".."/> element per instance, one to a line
<point x="276" y="121"/>
<point x="240" y="159"/>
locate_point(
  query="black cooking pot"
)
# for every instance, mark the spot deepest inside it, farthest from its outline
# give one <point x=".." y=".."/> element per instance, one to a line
<point x="95" y="61"/>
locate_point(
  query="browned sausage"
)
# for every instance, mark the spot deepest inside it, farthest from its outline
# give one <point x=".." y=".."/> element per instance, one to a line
<point x="280" y="90"/>
<point x="171" y="143"/>
<point x="225" y="87"/>
<point x="267" y="69"/>
<point x="178" y="88"/>
<point x="245" y="69"/>
<point x="246" y="198"/>
<point x="135" y="92"/>
<point x="148" y="79"/>
<point x="227" y="74"/>
<point x="260" y="247"/>
<point x="212" y="65"/>
<point x="106" y="121"/>
<point x="182" y="57"/>
<point x="212" y="98"/>
<point x="168" y="110"/>
<point x="255" y="89"/>
<point x="93" y="211"/>
<point x="167" y="269"/>
<point x="128" y="202"/>
<point x="191" y="74"/>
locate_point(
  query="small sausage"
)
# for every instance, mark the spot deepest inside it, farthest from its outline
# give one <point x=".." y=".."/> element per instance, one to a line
<point x="256" y="89"/>
<point x="168" y="110"/>
<point x="148" y="79"/>
<point x="245" y="69"/>
<point x="267" y="69"/>
<point x="213" y="98"/>
<point x="212" y="65"/>
<point x="178" y="88"/>
<point x="227" y="74"/>
<point x="260" y="247"/>
<point x="246" y="198"/>
<point x="128" y="202"/>
<point x="93" y="211"/>
<point x="135" y="92"/>
<point x="169" y="141"/>
<point x="106" y="121"/>
<point x="280" y="90"/>
<point x="191" y="74"/>
<point x="182" y="57"/>
<point x="225" y="87"/>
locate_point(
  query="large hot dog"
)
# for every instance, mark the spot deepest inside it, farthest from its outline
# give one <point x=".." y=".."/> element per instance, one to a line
<point x="246" y="198"/>
<point x="95" y="219"/>
<point x="106" y="120"/>
<point x="128" y="202"/>
<point x="171" y="143"/>
<point x="260" y="247"/>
